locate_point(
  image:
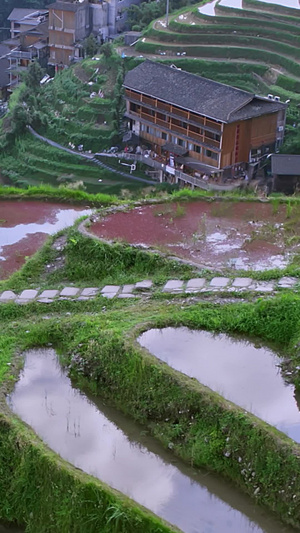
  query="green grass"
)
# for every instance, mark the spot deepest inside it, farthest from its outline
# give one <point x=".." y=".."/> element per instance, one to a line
<point x="153" y="394"/>
<point x="226" y="52"/>
<point x="31" y="161"/>
<point x="90" y="262"/>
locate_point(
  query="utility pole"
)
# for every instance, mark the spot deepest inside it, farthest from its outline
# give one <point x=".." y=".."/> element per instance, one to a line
<point x="167" y="14"/>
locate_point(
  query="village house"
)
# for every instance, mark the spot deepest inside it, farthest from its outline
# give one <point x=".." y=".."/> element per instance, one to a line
<point x="24" y="19"/>
<point x="285" y="170"/>
<point x="200" y="126"/>
<point x="70" y="22"/>
<point x="28" y="41"/>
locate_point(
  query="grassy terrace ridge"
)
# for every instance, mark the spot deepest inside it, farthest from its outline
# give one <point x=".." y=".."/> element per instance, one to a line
<point x="101" y="350"/>
<point x="31" y="162"/>
<point x="232" y="40"/>
<point x="64" y="112"/>
<point x="199" y="32"/>
<point x="269" y="7"/>
<point x="258" y="38"/>
<point x="271" y="15"/>
<point x="217" y="23"/>
<point x="219" y="51"/>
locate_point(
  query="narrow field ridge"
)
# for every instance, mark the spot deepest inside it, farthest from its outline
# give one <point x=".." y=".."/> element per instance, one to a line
<point x="136" y="290"/>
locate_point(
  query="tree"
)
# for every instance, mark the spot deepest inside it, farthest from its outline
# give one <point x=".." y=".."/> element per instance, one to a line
<point x="119" y="105"/>
<point x="107" y="50"/>
<point x="90" y="46"/>
<point x="20" y="118"/>
<point x="33" y="75"/>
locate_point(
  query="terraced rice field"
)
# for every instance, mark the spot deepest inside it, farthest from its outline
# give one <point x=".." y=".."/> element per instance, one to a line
<point x="35" y="163"/>
<point x="252" y="45"/>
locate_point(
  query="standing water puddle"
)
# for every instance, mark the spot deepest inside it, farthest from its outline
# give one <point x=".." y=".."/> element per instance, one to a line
<point x="238" y="370"/>
<point x="24" y="227"/>
<point x="104" y="443"/>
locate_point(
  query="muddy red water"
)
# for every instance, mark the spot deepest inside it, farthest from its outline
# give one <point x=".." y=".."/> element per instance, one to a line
<point x="241" y="235"/>
<point x="24" y="227"/>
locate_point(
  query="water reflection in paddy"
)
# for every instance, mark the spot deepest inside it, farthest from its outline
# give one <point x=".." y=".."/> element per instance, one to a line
<point x="238" y="370"/>
<point x="209" y="9"/>
<point x="103" y="442"/>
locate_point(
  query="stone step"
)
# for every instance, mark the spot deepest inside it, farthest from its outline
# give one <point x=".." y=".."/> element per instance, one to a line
<point x="136" y="290"/>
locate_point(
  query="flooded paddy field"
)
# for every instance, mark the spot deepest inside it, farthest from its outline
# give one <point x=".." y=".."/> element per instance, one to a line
<point x="108" y="445"/>
<point x="24" y="227"/>
<point x="246" y="374"/>
<point x="209" y="8"/>
<point x="239" y="235"/>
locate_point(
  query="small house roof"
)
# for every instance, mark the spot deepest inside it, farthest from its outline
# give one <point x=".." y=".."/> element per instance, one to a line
<point x="26" y="15"/>
<point x="4" y="50"/>
<point x="203" y="96"/>
<point x="285" y="164"/>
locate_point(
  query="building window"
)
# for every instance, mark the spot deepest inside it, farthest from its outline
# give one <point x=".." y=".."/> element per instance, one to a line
<point x="211" y="155"/>
<point x="164" y="136"/>
<point x="181" y="142"/>
<point x="174" y="139"/>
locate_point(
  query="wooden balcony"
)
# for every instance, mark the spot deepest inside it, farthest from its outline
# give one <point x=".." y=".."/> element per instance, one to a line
<point x="150" y="118"/>
<point x="178" y="129"/>
<point x="175" y="112"/>
<point x="163" y="123"/>
<point x="133" y="96"/>
<point x="195" y="136"/>
<point x="180" y="112"/>
<point x="211" y="142"/>
<point x="148" y="101"/>
<point x="162" y="105"/>
<point x="214" y="125"/>
<point x="196" y="118"/>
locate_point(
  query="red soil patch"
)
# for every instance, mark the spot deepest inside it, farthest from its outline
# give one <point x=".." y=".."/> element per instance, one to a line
<point x="15" y="254"/>
<point x="24" y="227"/>
<point x="212" y="234"/>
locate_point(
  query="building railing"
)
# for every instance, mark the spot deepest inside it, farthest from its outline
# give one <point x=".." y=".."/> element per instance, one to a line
<point x="18" y="54"/>
<point x="179" y="175"/>
<point x="198" y="122"/>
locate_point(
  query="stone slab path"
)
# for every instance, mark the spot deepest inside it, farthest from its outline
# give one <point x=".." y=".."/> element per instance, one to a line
<point x="136" y="290"/>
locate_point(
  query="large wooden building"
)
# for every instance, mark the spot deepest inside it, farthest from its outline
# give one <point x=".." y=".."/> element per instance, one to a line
<point x="198" y="123"/>
<point x="68" y="24"/>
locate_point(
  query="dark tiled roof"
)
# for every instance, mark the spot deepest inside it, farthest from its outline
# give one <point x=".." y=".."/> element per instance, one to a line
<point x="18" y="13"/>
<point x="200" y="95"/>
<point x="66" y="6"/>
<point x="258" y="106"/>
<point x="12" y="42"/>
<point x="4" y="50"/>
<point x="288" y="165"/>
